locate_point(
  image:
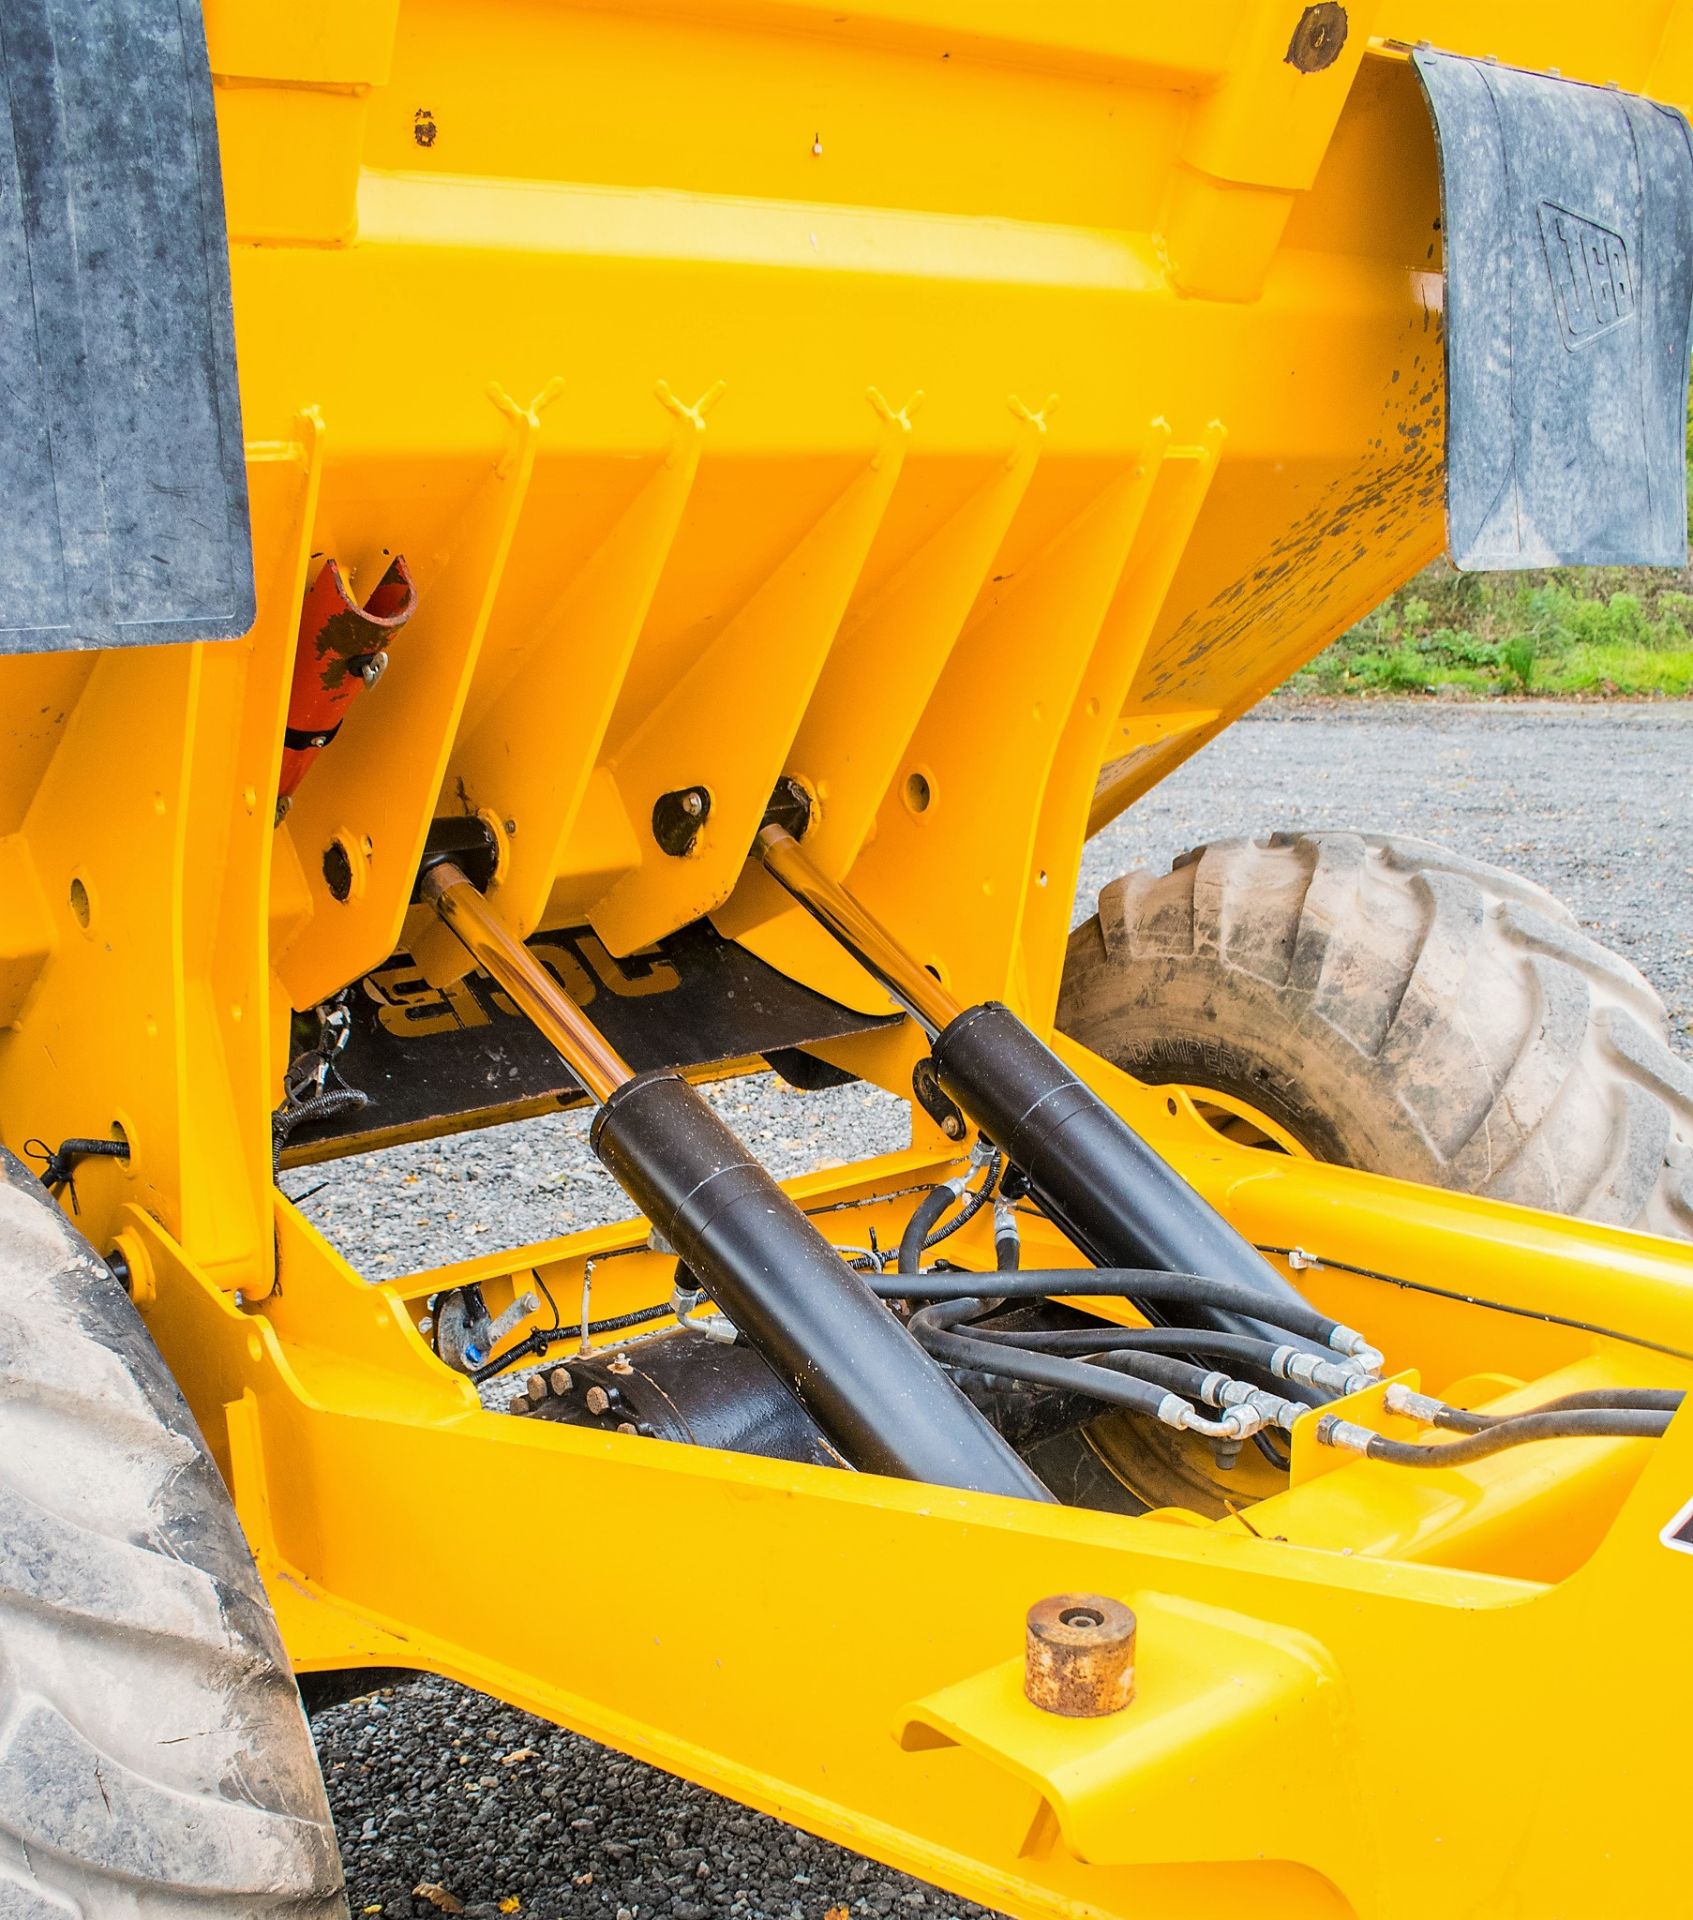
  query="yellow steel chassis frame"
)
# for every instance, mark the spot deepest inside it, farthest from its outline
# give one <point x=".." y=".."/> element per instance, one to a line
<point x="845" y="1652"/>
<point x="636" y="386"/>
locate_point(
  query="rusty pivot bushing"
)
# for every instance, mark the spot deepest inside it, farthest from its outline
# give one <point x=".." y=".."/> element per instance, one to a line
<point x="1079" y="1656"/>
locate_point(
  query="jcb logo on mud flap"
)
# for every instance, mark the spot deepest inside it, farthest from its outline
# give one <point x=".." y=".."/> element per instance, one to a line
<point x="1591" y="274"/>
<point x="408" y="1007"/>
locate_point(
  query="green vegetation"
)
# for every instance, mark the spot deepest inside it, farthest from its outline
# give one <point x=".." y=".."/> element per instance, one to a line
<point x="1596" y="633"/>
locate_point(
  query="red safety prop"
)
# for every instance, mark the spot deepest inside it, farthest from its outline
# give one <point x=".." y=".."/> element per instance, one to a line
<point x="342" y="649"/>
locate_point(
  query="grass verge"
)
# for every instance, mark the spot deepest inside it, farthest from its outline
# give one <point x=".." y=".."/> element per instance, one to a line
<point x="1606" y="632"/>
<point x="1596" y="633"/>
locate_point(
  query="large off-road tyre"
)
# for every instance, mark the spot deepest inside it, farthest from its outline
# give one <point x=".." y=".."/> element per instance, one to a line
<point x="1391" y="1006"/>
<point x="155" y="1763"/>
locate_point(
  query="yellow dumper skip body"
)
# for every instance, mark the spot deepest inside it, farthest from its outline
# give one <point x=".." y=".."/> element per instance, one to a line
<point x="965" y="411"/>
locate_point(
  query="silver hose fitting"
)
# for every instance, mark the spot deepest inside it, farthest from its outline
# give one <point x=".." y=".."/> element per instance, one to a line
<point x="1332" y="1431"/>
<point x="1272" y="1410"/>
<point x="1355" y="1346"/>
<point x="1415" y="1406"/>
<point x="685" y="1303"/>
<point x="1214" y="1390"/>
<point x="1238" y="1423"/>
<point x="1005" y="1233"/>
<point x="1294" y="1363"/>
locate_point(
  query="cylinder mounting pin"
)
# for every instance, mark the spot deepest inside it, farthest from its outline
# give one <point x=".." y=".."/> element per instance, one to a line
<point x="1079" y="1655"/>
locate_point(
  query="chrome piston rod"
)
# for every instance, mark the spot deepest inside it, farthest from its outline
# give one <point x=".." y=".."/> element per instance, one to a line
<point x="1117" y="1199"/>
<point x="885" y="1404"/>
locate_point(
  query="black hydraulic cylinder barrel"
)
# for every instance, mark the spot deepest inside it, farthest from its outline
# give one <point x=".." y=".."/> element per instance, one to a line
<point x="885" y="1403"/>
<point x="1090" y="1171"/>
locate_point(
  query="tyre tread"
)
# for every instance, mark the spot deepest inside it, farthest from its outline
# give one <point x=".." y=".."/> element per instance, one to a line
<point x="155" y="1761"/>
<point x="1492" y="1045"/>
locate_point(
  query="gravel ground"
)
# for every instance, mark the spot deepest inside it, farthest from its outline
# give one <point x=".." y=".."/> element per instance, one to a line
<point x="432" y="1784"/>
<point x="1593" y="801"/>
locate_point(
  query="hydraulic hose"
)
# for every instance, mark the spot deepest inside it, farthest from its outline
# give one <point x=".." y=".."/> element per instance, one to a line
<point x="1600" y="1400"/>
<point x="884" y="1403"/>
<point x="1169" y="1371"/>
<point x="1087" y="1168"/>
<point x="929" y="1226"/>
<point x="1191" y="1291"/>
<point x="1241" y="1348"/>
<point x="1423" y="1406"/>
<point x="1007" y="1243"/>
<point x="932" y="1327"/>
<point x="1118" y="1200"/>
<point x="926" y="1215"/>
<point x="1175" y="1375"/>
<point x="871" y="1388"/>
<point x="1240" y="1352"/>
<point x="1108" y="1339"/>
<point x="1115" y="1386"/>
<point x="1515" y="1430"/>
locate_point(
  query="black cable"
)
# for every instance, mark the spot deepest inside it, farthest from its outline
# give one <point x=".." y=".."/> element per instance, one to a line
<point x="1517" y="1431"/>
<point x="1598" y="1400"/>
<point x="532" y="1345"/>
<point x="1136" y="1283"/>
<point x="547" y="1295"/>
<point x="59" y="1168"/>
<point x="924" y="1215"/>
<point x="870" y="1200"/>
<point x="930" y="1211"/>
<point x="1491" y="1306"/>
<point x="975" y="1198"/>
<point x="541" y="1334"/>
<point x="321" y="1106"/>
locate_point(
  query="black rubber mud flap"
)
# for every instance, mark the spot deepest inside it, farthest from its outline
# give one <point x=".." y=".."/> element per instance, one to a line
<point x="120" y="433"/>
<point x="1568" y="217"/>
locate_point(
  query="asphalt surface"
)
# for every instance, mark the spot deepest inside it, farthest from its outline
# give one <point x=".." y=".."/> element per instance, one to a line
<point x="435" y="1785"/>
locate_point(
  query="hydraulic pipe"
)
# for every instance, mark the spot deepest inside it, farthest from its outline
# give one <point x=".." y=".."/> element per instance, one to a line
<point x="881" y="1400"/>
<point x="1089" y="1170"/>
